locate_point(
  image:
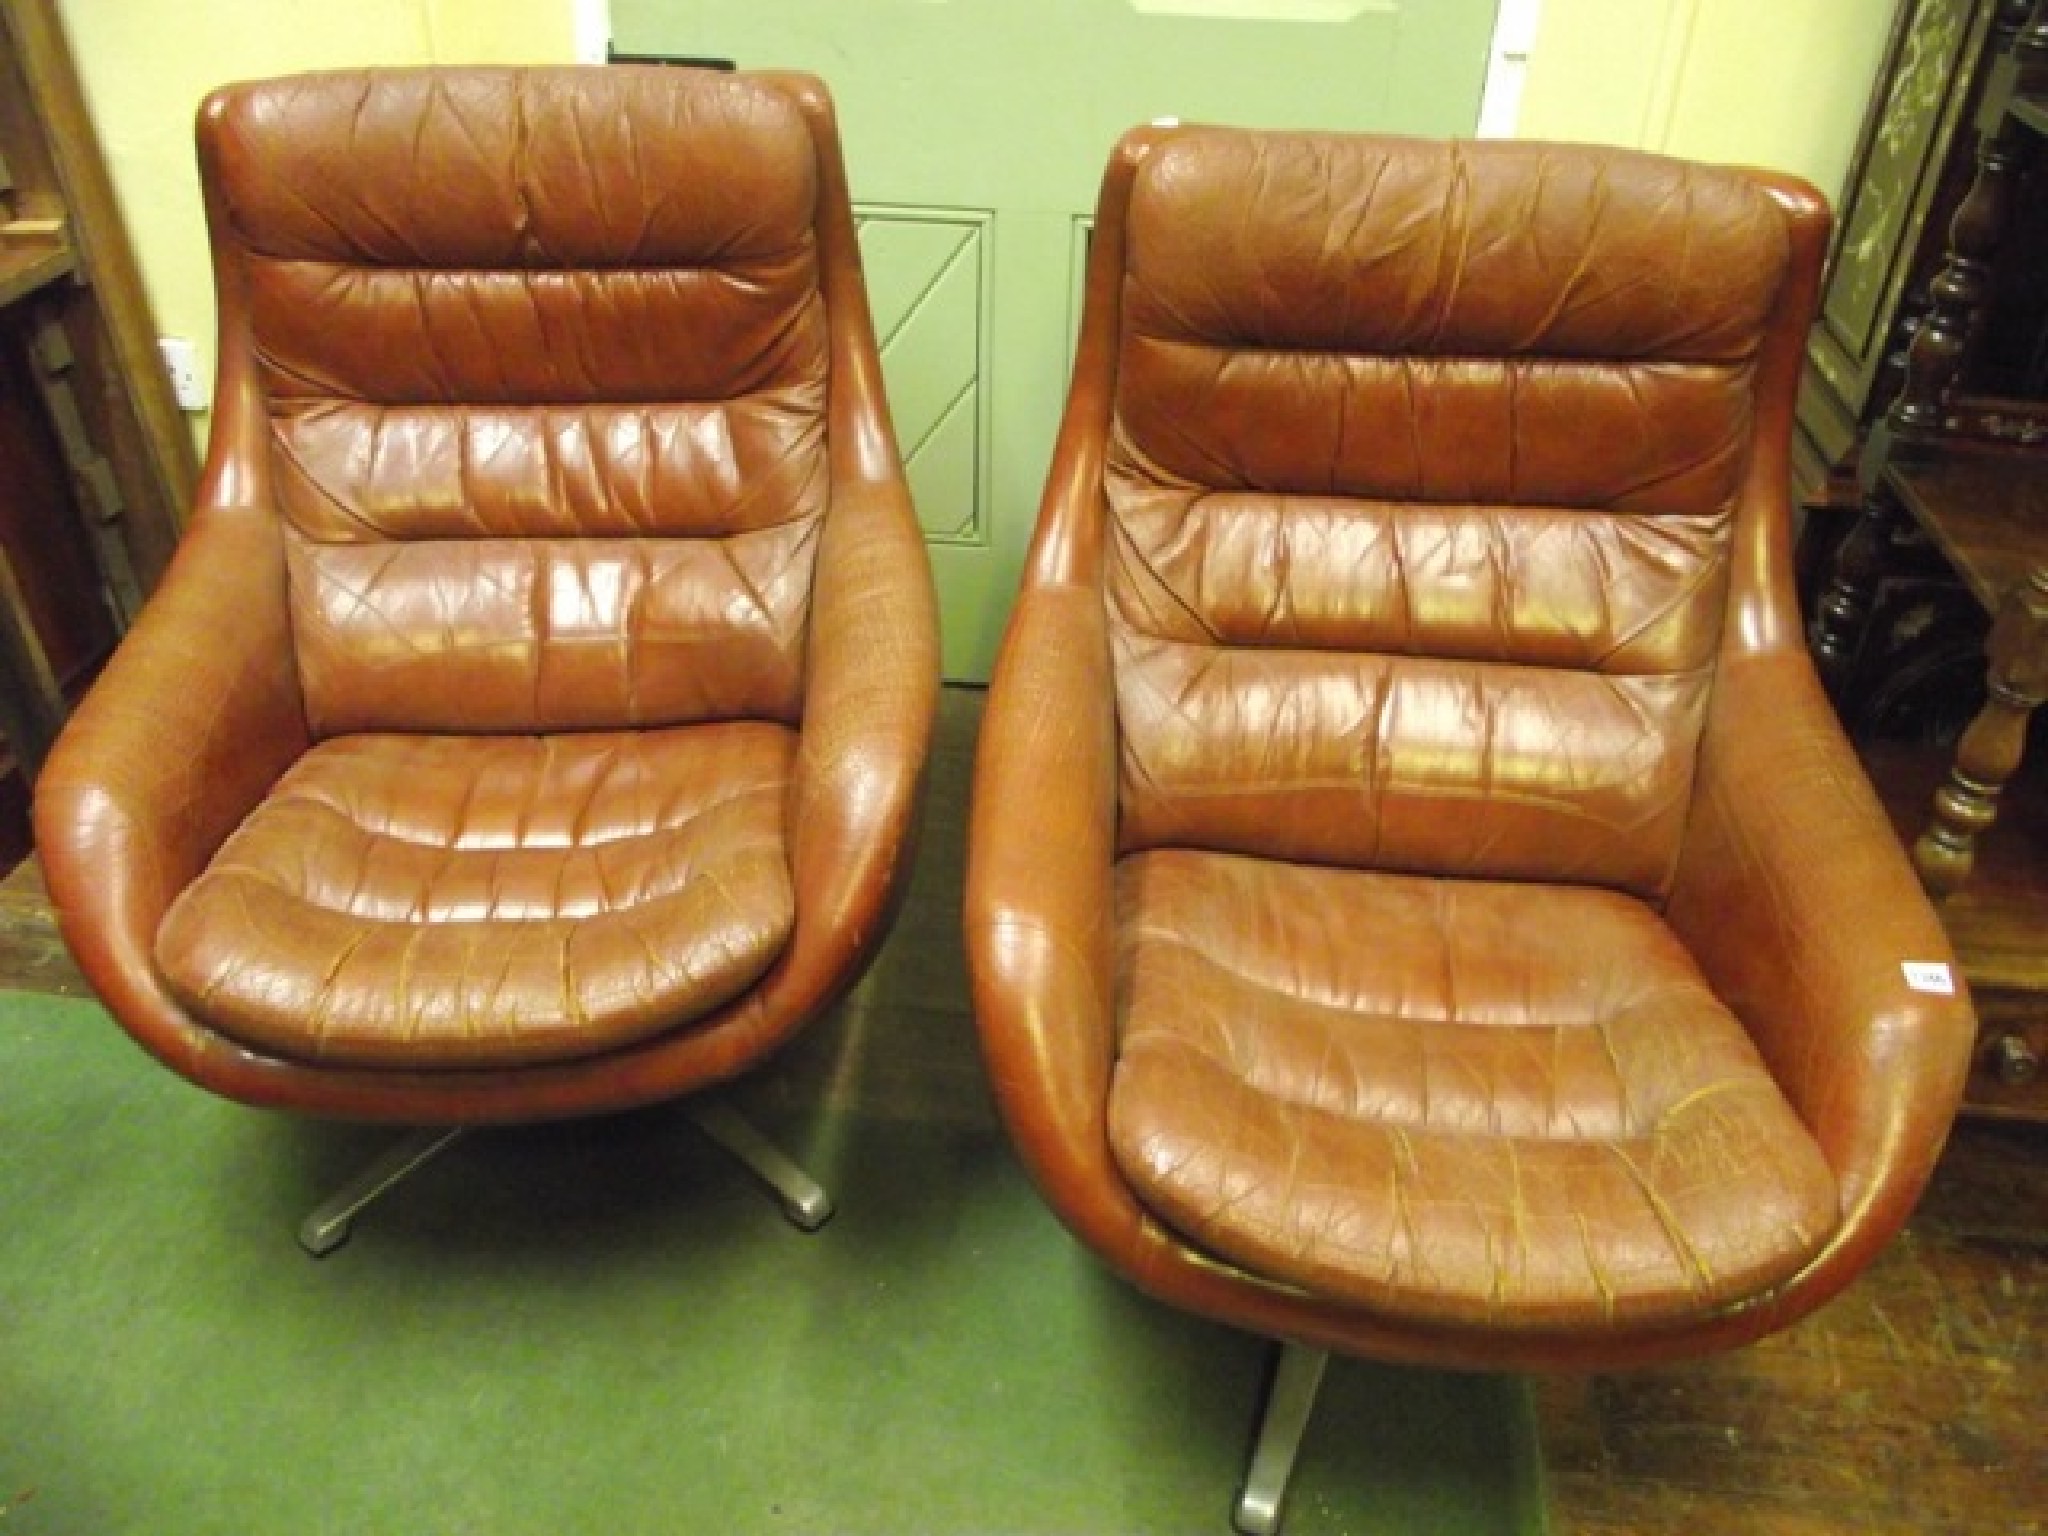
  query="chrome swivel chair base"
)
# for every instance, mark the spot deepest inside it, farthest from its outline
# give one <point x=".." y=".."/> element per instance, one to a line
<point x="803" y="1201"/>
<point x="1290" y="1402"/>
<point x="332" y="1220"/>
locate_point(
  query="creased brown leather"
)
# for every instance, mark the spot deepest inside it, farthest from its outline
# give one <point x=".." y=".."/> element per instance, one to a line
<point x="1446" y="250"/>
<point x="1040" y="929"/>
<point x="1461" y="767"/>
<point x="1455" y="1101"/>
<point x="1801" y="909"/>
<point x="465" y="294"/>
<point x="191" y="722"/>
<point x="1408" y="645"/>
<point x="1467" y="474"/>
<point x="402" y="901"/>
<point x="548" y="402"/>
<point x="551" y="634"/>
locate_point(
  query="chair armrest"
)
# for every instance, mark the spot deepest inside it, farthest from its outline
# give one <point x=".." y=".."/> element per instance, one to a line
<point x="187" y="728"/>
<point x="869" y="700"/>
<point x="1797" y="900"/>
<point x="1040" y="915"/>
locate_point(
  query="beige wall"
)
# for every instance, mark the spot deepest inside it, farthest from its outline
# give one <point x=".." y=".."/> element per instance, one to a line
<point x="1779" y="83"/>
<point x="145" y="64"/>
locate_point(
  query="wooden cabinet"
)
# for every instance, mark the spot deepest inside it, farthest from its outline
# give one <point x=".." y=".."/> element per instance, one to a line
<point x="96" y="465"/>
<point x="1939" y="588"/>
<point x="1911" y="168"/>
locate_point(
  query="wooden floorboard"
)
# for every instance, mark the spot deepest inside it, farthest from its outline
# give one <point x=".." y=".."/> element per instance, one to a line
<point x="1912" y="1406"/>
<point x="1913" y="1403"/>
<point x="32" y="957"/>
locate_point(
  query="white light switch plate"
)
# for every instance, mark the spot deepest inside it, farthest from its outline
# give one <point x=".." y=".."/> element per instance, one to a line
<point x="181" y="362"/>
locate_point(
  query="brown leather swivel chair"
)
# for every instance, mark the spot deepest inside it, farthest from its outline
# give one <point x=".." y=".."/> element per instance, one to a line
<point x="1419" y="903"/>
<point x="532" y="720"/>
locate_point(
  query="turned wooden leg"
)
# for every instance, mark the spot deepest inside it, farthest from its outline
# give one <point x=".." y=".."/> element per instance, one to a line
<point x="1960" y="292"/>
<point x="31" y="703"/>
<point x="1990" y="751"/>
<point x="1842" y="611"/>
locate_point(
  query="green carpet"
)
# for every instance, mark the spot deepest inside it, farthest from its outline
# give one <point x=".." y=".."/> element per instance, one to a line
<point x="606" y="1327"/>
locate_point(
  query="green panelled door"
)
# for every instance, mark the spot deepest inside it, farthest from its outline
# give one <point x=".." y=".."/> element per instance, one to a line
<point x="976" y="131"/>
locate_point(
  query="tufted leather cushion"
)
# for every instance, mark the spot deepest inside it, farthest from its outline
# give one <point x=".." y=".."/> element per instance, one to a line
<point x="1422" y="475"/>
<point x="480" y="901"/>
<point x="1451" y="1102"/>
<point x="507" y="323"/>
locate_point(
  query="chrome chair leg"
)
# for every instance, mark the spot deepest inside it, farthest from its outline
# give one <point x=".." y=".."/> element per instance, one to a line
<point x="803" y="1200"/>
<point x="329" y="1225"/>
<point x="1289" y="1402"/>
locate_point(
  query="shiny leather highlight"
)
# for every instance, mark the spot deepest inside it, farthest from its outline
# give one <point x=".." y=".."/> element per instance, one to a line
<point x="354" y="473"/>
<point x="1461" y="767"/>
<point x="1554" y="587"/>
<point x="551" y="634"/>
<point x="481" y="901"/>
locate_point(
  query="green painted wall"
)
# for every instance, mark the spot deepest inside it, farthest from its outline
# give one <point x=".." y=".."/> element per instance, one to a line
<point x="976" y="132"/>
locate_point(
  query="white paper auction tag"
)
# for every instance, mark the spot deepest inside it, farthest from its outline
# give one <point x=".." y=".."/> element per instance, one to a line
<point x="1929" y="976"/>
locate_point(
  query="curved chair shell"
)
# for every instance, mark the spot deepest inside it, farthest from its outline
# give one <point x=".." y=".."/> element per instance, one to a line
<point x="1484" y="446"/>
<point x="548" y="405"/>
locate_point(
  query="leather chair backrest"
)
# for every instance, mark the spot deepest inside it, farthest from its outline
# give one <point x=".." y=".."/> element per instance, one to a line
<point x="542" y="357"/>
<point x="1424" y="465"/>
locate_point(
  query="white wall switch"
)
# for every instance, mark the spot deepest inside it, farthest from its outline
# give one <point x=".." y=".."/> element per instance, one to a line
<point x="181" y="362"/>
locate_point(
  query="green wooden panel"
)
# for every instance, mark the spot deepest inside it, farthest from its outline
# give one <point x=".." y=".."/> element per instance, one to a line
<point x="927" y="284"/>
<point x="1007" y="109"/>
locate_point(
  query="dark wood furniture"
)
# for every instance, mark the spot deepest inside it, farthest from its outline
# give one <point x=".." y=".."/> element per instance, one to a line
<point x="1995" y="922"/>
<point x="96" y="464"/>
<point x="1989" y="519"/>
<point x="1953" y="483"/>
<point x="1911" y="168"/>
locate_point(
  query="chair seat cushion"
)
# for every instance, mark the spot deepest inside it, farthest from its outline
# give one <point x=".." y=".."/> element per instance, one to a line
<point x="1452" y="1102"/>
<point x="453" y="902"/>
